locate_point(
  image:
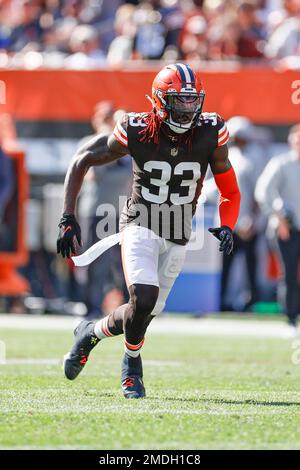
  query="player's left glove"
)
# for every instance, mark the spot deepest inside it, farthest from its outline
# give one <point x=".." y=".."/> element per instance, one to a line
<point x="69" y="230"/>
<point x="224" y="234"/>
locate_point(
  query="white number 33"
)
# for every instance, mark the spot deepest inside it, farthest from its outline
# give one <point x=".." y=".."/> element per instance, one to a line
<point x="162" y="183"/>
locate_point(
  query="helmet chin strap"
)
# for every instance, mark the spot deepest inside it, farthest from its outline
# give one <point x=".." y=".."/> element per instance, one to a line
<point x="178" y="130"/>
<point x="175" y="128"/>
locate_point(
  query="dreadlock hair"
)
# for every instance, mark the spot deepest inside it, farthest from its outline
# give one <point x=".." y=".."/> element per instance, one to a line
<point x="153" y="127"/>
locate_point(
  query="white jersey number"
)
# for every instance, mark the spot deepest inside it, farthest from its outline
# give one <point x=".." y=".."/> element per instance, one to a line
<point x="136" y="120"/>
<point x="162" y="183"/>
<point x="210" y="117"/>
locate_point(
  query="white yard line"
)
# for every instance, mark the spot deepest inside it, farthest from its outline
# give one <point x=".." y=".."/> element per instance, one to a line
<point x="37" y="322"/>
<point x="31" y="361"/>
<point x="220" y="327"/>
<point x="187" y="326"/>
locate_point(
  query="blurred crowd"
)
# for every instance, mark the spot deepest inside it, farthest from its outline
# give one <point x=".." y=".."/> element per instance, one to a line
<point x="96" y="33"/>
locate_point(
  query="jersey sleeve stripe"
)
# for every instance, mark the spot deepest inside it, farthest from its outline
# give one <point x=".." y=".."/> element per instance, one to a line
<point x="121" y="130"/>
<point x="223" y="140"/>
<point x="221" y="136"/>
<point x="222" y="131"/>
<point x="122" y="140"/>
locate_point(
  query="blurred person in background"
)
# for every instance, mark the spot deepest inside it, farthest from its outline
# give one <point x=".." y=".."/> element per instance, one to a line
<point x="246" y="136"/>
<point x="7" y="185"/>
<point x="99" y="15"/>
<point x="252" y="31"/>
<point x="6" y="190"/>
<point x="278" y="193"/>
<point x="56" y="38"/>
<point x="237" y="33"/>
<point x="27" y="30"/>
<point x="85" y="47"/>
<point x="193" y="42"/>
<point x="121" y="48"/>
<point x="105" y="279"/>
<point x="284" y="37"/>
<point x="245" y="233"/>
<point x="4" y="24"/>
<point x="157" y="28"/>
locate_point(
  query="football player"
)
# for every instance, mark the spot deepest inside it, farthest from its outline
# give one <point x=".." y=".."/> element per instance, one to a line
<point x="171" y="147"/>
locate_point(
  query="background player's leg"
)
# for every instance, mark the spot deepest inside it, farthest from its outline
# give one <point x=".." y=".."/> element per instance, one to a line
<point x="227" y="262"/>
<point x="289" y="250"/>
<point x="251" y="264"/>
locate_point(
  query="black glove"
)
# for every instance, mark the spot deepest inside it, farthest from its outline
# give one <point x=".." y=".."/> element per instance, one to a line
<point x="224" y="234"/>
<point x="69" y="229"/>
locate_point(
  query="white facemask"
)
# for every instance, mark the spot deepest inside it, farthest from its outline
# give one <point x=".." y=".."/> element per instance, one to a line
<point x="174" y="126"/>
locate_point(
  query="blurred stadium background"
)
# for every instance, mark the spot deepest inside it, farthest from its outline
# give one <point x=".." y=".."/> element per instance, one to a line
<point x="70" y="68"/>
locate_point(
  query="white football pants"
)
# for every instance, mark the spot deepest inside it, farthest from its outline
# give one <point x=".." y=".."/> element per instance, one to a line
<point x="149" y="259"/>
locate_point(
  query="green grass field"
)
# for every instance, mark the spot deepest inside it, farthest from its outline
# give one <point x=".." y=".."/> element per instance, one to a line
<point x="202" y="392"/>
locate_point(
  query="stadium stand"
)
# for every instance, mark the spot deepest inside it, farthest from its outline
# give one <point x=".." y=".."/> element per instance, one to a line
<point x="82" y="33"/>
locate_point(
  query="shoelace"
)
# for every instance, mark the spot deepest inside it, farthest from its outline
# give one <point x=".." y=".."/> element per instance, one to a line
<point x="128" y="382"/>
<point x="83" y="359"/>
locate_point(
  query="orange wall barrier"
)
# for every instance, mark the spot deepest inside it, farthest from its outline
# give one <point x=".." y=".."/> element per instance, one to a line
<point x="11" y="282"/>
<point x="262" y="94"/>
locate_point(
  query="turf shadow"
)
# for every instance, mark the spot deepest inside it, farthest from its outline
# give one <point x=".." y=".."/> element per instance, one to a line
<point x="221" y="401"/>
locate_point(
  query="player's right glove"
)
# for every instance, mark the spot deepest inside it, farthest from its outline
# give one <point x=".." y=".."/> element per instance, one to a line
<point x="224" y="234"/>
<point x="69" y="230"/>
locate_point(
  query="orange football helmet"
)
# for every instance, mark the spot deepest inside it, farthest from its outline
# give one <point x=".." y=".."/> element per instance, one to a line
<point x="178" y="97"/>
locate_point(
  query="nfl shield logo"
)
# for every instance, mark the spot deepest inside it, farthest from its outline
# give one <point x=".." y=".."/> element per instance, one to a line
<point x="174" y="151"/>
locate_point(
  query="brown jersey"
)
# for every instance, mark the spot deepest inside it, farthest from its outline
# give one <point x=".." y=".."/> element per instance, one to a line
<point x="168" y="177"/>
